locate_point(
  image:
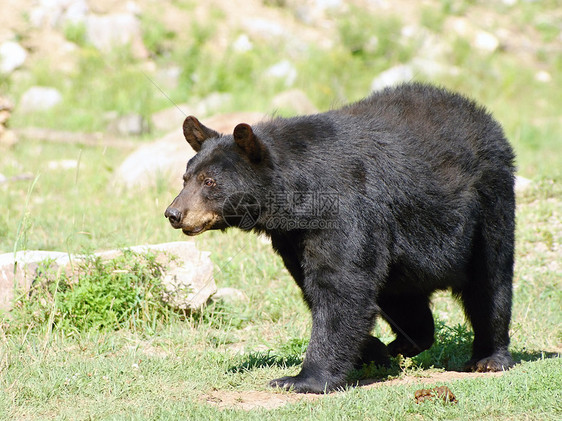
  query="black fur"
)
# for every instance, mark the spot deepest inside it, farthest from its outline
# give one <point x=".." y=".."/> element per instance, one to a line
<point x="423" y="180"/>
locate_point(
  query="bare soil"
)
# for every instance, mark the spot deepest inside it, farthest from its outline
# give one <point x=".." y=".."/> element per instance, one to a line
<point x="249" y="400"/>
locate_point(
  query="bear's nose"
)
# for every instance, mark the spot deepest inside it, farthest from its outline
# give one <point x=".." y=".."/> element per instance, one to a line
<point x="174" y="216"/>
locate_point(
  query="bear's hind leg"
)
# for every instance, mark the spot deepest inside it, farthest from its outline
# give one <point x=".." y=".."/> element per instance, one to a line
<point x="411" y="320"/>
<point x="373" y="350"/>
<point x="487" y="298"/>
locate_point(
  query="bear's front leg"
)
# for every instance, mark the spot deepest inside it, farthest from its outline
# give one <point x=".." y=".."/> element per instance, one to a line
<point x="343" y="312"/>
<point x="307" y="381"/>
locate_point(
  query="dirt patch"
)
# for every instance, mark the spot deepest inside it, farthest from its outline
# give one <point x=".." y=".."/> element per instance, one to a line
<point x="254" y="399"/>
<point x="436" y="377"/>
<point x="249" y="400"/>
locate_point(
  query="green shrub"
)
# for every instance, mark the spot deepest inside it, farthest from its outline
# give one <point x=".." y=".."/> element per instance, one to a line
<point x="76" y="33"/>
<point x="125" y="292"/>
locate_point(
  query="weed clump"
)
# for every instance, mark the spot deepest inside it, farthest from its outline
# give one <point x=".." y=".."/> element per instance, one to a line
<point x="124" y="292"/>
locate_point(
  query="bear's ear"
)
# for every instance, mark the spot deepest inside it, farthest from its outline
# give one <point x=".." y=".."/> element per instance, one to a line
<point x="196" y="133"/>
<point x="246" y="139"/>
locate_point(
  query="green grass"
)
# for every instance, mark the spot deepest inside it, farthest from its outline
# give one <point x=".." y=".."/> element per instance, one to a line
<point x="126" y="376"/>
<point x="123" y="293"/>
<point x="167" y="367"/>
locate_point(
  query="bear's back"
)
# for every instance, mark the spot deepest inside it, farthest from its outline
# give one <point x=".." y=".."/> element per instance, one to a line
<point x="408" y="133"/>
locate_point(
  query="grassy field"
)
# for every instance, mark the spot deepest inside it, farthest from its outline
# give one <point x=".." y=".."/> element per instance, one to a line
<point x="156" y="364"/>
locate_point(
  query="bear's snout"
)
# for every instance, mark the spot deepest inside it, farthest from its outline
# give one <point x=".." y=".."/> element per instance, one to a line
<point x="174" y="216"/>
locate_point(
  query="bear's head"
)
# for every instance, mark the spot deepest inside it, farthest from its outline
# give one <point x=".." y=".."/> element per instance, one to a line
<point x="222" y="181"/>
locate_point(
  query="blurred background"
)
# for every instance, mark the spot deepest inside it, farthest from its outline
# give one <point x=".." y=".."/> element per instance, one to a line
<point x="84" y="83"/>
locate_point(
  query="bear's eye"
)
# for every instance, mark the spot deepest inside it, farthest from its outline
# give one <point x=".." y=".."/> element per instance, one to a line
<point x="209" y="182"/>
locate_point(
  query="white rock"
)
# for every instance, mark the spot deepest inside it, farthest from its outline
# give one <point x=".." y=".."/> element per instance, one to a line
<point x="27" y="264"/>
<point x="167" y="157"/>
<point x="229" y="295"/>
<point x="188" y="279"/>
<point x="115" y="30"/>
<point x="328" y="4"/>
<point x="39" y="98"/>
<point x="63" y="164"/>
<point x="543" y="76"/>
<point x="242" y="44"/>
<point x="12" y="56"/>
<point x="53" y="13"/>
<point x="6" y="104"/>
<point x="129" y="125"/>
<point x="133" y="7"/>
<point x="485" y="41"/>
<point x="314" y="11"/>
<point x="265" y="28"/>
<point x="7" y="138"/>
<point x="522" y="184"/>
<point x="48" y="12"/>
<point x="283" y="70"/>
<point x="478" y="38"/>
<point x="393" y="76"/>
<point x="433" y="68"/>
<point x="164" y="159"/>
<point x="76" y="12"/>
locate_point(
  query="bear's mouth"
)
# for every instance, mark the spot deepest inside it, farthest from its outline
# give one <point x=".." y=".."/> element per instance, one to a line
<point x="192" y="231"/>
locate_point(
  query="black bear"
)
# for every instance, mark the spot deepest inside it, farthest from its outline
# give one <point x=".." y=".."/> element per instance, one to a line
<point x="372" y="208"/>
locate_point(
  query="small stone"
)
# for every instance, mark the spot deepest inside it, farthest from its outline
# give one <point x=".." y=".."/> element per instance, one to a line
<point x="115" y="30"/>
<point x="242" y="44"/>
<point x="133" y="7"/>
<point x="12" y="56"/>
<point x="76" y="12"/>
<point x="522" y="184"/>
<point x="283" y="70"/>
<point x="129" y="125"/>
<point x="393" y="76"/>
<point x="478" y="38"/>
<point x="39" y="98"/>
<point x="4" y="116"/>
<point x="6" y="104"/>
<point x="229" y="295"/>
<point x="543" y="76"/>
<point x="485" y="41"/>
<point x="433" y="68"/>
<point x="328" y="4"/>
<point x="310" y="12"/>
<point x="265" y="28"/>
<point x="63" y="164"/>
<point x="8" y="139"/>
